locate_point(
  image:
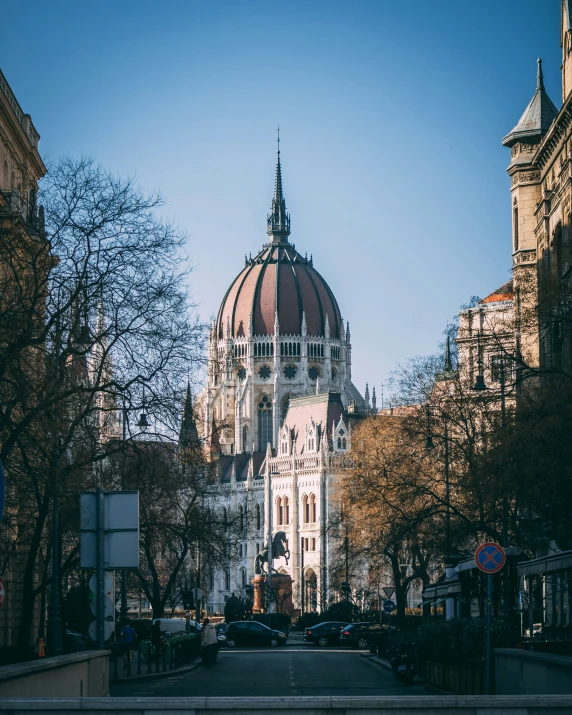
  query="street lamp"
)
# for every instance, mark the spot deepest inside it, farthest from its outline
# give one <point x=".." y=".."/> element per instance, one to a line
<point x="55" y="635"/>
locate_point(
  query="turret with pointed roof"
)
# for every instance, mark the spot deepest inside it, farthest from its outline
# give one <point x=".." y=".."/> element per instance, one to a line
<point x="537" y="117"/>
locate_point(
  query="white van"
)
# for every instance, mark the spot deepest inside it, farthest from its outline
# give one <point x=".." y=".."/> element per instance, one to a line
<point x="175" y="625"/>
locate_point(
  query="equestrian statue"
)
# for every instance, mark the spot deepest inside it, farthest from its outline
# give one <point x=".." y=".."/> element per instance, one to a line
<point x="279" y="549"/>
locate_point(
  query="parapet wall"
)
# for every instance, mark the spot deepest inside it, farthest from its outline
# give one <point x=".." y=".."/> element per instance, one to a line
<point x="402" y="705"/>
<point x="78" y="675"/>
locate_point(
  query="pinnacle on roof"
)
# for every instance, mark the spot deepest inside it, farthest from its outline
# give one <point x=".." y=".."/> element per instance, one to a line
<point x="537" y="117"/>
<point x="278" y="220"/>
<point x="188" y="435"/>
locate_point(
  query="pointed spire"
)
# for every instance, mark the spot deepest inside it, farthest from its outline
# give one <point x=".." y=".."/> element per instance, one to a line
<point x="343" y="332"/>
<point x="539" y="75"/>
<point x="348" y="334"/>
<point x="366" y="397"/>
<point x="227" y="328"/>
<point x="188" y="434"/>
<point x="448" y="364"/>
<point x="537" y="117"/>
<point x="373" y="400"/>
<point x="327" y="328"/>
<point x="250" y="325"/>
<point x="304" y="326"/>
<point x="276" y="324"/>
<point x="278" y="220"/>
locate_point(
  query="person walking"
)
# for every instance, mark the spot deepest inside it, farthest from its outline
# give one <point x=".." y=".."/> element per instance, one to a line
<point x="128" y="636"/>
<point x="209" y="643"/>
<point x="156" y="639"/>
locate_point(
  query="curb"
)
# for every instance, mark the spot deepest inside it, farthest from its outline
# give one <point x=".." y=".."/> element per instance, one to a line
<point x="379" y="661"/>
<point x="156" y="676"/>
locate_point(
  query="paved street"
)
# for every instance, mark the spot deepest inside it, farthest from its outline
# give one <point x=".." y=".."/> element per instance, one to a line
<point x="295" y="669"/>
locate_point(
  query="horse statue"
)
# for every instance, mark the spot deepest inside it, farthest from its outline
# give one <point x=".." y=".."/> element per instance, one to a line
<point x="278" y="550"/>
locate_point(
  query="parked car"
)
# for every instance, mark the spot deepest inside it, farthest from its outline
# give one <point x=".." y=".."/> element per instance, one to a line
<point x="358" y="635"/>
<point x="252" y="633"/>
<point x="323" y="634"/>
<point x="177" y="625"/>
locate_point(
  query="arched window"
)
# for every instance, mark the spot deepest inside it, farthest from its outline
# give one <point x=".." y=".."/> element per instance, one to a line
<point x="344" y="443"/>
<point x="279" y="512"/>
<point x="264" y="423"/>
<point x="339" y="442"/>
<point x="515" y="225"/>
<point x="257" y="510"/>
<point x="226" y="580"/>
<point x="240" y="551"/>
<point x="240" y="517"/>
<point x="243" y="577"/>
<point x="311" y="588"/>
<point x="306" y="509"/>
<point x="313" y="507"/>
<point x="286" y="510"/>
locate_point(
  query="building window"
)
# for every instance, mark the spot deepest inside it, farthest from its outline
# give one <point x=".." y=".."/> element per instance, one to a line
<point x="313" y="507"/>
<point x="227" y="580"/>
<point x="558" y="263"/>
<point x="258" y="516"/>
<point x="306" y="509"/>
<point x="313" y="544"/>
<point x="243" y="577"/>
<point x="515" y="226"/>
<point x="290" y="371"/>
<point x="264" y="423"/>
<point x="279" y="512"/>
<point x="241" y="373"/>
<point x="240" y="517"/>
<point x="265" y="372"/>
<point x="313" y="372"/>
<point x="286" y="509"/>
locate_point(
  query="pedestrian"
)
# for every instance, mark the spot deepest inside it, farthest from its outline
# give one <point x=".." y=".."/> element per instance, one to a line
<point x="128" y="636"/>
<point x="156" y="638"/>
<point x="209" y="643"/>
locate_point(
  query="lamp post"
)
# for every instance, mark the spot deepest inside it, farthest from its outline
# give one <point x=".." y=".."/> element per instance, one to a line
<point x="55" y="635"/>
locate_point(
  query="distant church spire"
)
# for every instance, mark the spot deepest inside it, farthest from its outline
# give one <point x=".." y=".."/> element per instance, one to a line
<point x="188" y="435"/>
<point x="278" y="221"/>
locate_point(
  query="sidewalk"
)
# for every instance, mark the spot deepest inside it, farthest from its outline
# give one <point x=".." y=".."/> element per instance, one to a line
<point x="376" y="659"/>
<point x="122" y="676"/>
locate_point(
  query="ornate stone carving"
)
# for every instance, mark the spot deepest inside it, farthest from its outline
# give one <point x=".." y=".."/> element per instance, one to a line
<point x="525" y="257"/>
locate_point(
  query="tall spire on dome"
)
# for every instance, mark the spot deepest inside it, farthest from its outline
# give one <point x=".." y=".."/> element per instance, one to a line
<point x="278" y="221"/>
<point x="188" y="434"/>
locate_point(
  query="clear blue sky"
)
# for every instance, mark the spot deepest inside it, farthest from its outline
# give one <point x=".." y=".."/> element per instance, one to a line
<point x="391" y="115"/>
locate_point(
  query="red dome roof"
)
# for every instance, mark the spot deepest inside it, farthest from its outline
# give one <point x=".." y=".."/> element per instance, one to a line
<point x="279" y="280"/>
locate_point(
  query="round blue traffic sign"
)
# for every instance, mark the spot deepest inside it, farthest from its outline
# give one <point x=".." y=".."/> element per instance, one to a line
<point x="388" y="606"/>
<point x="490" y="557"/>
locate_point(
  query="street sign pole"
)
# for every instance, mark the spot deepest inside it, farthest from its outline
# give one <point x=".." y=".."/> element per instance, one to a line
<point x="489" y="558"/>
<point x="100" y="566"/>
<point x="488" y="643"/>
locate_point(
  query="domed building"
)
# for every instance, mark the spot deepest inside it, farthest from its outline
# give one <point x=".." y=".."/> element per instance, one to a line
<point x="279" y="334"/>
<point x="277" y="411"/>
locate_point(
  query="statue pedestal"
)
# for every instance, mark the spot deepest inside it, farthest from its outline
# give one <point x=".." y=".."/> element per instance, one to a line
<point x="281" y="596"/>
<point x="259" y="596"/>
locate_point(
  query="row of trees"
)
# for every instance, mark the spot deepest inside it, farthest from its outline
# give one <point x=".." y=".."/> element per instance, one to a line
<point x="455" y="466"/>
<point x="96" y="329"/>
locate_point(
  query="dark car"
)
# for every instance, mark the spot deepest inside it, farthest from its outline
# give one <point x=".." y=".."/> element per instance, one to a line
<point x="360" y="635"/>
<point x="381" y="639"/>
<point x="323" y="634"/>
<point x="252" y="633"/>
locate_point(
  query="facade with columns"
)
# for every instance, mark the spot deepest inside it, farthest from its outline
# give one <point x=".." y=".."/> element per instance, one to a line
<point x="277" y="410"/>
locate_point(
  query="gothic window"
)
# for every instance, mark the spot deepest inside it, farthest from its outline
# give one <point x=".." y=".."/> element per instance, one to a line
<point x="285" y="405"/>
<point x="313" y="372"/>
<point x="313" y="508"/>
<point x="515" y="226"/>
<point x="243" y="577"/>
<point x="226" y="580"/>
<point x="344" y="443"/>
<point x="265" y="372"/>
<point x="240" y="518"/>
<point x="241" y="373"/>
<point x="339" y="442"/>
<point x="558" y="264"/>
<point x="306" y="509"/>
<point x="279" y="512"/>
<point x="286" y="510"/>
<point x="257" y="510"/>
<point x="290" y="372"/>
<point x="264" y="423"/>
<point x="334" y="374"/>
<point x="240" y="551"/>
<point x="313" y="544"/>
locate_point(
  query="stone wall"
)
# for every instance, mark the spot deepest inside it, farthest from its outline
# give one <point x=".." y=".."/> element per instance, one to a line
<point x="78" y="675"/>
<point x="525" y="672"/>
